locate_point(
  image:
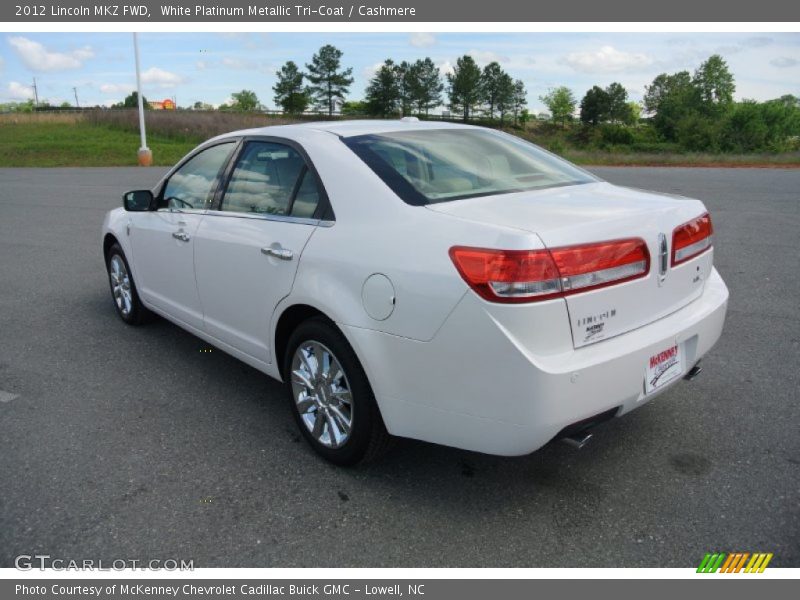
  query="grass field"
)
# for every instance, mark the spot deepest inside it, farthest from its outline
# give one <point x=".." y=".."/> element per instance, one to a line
<point x="110" y="138"/>
<point x="78" y="143"/>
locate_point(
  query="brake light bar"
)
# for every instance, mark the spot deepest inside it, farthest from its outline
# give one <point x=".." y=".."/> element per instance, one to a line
<point x="516" y="276"/>
<point x="691" y="239"/>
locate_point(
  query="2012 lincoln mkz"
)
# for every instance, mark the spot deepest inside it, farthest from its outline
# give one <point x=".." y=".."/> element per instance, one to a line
<point x="434" y="281"/>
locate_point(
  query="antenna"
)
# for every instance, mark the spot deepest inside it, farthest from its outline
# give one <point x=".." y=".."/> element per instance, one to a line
<point x="75" y="91"/>
<point x="35" y="93"/>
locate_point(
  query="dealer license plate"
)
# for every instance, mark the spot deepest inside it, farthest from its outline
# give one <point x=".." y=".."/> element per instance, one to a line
<point x="662" y="367"/>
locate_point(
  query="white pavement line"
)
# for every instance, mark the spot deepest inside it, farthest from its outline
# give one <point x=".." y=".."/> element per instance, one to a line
<point x="6" y="397"/>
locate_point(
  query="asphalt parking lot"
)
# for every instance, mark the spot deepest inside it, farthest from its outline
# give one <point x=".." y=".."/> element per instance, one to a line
<point x="132" y="443"/>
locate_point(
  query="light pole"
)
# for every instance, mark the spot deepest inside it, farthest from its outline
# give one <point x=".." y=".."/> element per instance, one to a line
<point x="145" y="156"/>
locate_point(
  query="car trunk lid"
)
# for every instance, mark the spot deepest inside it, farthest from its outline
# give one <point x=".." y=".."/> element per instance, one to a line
<point x="584" y="214"/>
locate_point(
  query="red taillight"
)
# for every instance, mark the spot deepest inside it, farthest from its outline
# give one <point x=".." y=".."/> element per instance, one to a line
<point x="691" y="239"/>
<point x="530" y="275"/>
<point x="591" y="266"/>
<point x="508" y="275"/>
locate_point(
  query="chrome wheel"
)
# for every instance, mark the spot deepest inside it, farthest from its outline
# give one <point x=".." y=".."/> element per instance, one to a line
<point x="120" y="284"/>
<point x="322" y="394"/>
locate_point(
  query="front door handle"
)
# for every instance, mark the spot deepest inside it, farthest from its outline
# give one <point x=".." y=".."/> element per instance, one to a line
<point x="278" y="252"/>
<point x="181" y="235"/>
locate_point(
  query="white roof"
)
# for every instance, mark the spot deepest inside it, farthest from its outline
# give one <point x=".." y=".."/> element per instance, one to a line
<point x="346" y="128"/>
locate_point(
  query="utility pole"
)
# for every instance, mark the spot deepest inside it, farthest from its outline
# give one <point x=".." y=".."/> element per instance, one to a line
<point x="145" y="156"/>
<point x="75" y="91"/>
<point x="35" y="93"/>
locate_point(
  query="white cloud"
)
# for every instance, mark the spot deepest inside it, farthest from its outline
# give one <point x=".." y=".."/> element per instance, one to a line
<point x="19" y="91"/>
<point x="117" y="88"/>
<point x="422" y="39"/>
<point x="484" y="57"/>
<point x="161" y="78"/>
<point x="38" y="58"/>
<point x="236" y="63"/>
<point x="446" y="68"/>
<point x="784" y="62"/>
<point x="2" y="63"/>
<point x="607" y="60"/>
<point x="369" y="71"/>
<point x="201" y="65"/>
<point x="758" y="42"/>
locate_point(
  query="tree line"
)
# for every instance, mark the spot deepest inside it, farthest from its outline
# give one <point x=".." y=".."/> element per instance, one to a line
<point x="402" y="88"/>
<point x="680" y="111"/>
<point x="692" y="111"/>
<point x="409" y="88"/>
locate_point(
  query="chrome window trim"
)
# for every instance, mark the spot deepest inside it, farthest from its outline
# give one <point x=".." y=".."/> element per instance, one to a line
<point x="184" y="211"/>
<point x="269" y="217"/>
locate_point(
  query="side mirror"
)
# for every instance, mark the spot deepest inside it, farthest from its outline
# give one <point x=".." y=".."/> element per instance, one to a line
<point x="138" y="200"/>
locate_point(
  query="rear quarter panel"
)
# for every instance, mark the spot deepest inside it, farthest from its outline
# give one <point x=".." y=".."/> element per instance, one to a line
<point x="376" y="232"/>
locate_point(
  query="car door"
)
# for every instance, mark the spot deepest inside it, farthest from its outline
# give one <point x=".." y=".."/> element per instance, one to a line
<point x="163" y="239"/>
<point x="249" y="245"/>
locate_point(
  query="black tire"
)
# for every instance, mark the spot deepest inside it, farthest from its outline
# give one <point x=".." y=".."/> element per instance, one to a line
<point x="368" y="440"/>
<point x="138" y="313"/>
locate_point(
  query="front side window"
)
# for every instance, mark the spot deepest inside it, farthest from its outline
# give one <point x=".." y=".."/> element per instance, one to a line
<point x="271" y="179"/>
<point x="192" y="184"/>
<point x="439" y="165"/>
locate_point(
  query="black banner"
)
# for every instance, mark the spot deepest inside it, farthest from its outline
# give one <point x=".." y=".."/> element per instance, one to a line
<point x="362" y="589"/>
<point x="412" y="11"/>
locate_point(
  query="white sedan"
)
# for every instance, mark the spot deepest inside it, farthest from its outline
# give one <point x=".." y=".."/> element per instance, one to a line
<point x="434" y="281"/>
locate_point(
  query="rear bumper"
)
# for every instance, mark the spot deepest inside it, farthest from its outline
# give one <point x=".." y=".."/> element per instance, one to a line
<point x="477" y="386"/>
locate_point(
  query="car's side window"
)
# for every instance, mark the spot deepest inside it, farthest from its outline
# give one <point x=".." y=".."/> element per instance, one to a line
<point x="271" y="178"/>
<point x="191" y="185"/>
<point x="307" y="198"/>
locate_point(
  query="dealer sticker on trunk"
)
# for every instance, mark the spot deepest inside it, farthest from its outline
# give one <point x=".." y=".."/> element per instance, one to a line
<point x="663" y="367"/>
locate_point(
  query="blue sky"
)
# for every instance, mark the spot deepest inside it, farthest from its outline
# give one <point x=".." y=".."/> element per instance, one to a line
<point x="209" y="66"/>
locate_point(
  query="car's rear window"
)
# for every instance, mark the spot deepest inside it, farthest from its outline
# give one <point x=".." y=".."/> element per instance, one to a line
<point x="439" y="165"/>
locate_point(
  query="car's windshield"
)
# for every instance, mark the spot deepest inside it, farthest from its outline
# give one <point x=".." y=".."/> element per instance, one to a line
<point x="438" y="165"/>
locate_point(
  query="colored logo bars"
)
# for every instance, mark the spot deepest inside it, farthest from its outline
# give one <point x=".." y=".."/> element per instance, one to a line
<point x="734" y="562"/>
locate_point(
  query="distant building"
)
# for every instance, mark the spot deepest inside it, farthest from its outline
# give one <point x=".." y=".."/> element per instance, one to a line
<point x="167" y="104"/>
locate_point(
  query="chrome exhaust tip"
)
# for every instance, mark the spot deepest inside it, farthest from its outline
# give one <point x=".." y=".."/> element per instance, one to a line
<point x="693" y="372"/>
<point x="579" y="440"/>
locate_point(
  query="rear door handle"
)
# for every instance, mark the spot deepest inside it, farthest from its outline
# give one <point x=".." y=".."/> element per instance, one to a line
<point x="278" y="252"/>
<point x="181" y="235"/>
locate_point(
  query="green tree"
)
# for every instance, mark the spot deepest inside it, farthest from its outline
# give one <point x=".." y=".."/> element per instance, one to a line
<point x="24" y="107"/>
<point x="521" y="114"/>
<point x="668" y="88"/>
<point x="405" y="87"/>
<point x="383" y="91"/>
<point x="634" y="113"/>
<point x="132" y="101"/>
<point x="618" y="110"/>
<point x="506" y="96"/>
<point x="561" y="103"/>
<point x="769" y="126"/>
<point x="290" y="94"/>
<point x="595" y="106"/>
<point x="425" y="85"/>
<point x="464" y="86"/>
<point x="715" y="85"/>
<point x="788" y="100"/>
<point x="491" y="85"/>
<point x="354" y="108"/>
<point x="244" y="101"/>
<point x="670" y="98"/>
<point x="329" y="82"/>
